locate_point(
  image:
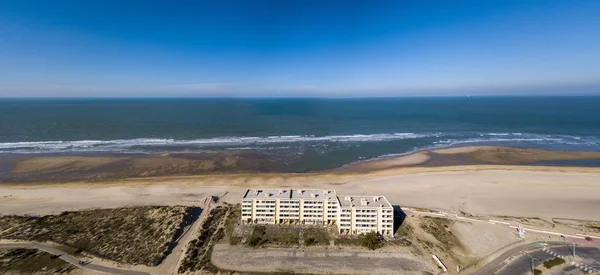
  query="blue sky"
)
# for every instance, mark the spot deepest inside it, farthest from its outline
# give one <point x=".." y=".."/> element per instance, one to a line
<point x="298" y="48"/>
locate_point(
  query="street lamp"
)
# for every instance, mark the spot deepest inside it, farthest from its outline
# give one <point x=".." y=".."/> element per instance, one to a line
<point x="532" y="262"/>
<point x="569" y="242"/>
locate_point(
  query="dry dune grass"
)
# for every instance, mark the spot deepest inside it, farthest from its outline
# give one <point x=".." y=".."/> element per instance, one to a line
<point x="31" y="261"/>
<point x="135" y="235"/>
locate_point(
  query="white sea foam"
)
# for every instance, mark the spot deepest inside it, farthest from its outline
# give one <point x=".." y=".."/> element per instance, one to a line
<point x="434" y="140"/>
<point x="123" y="144"/>
<point x="511" y="138"/>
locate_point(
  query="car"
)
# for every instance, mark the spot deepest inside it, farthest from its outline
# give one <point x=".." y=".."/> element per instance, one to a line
<point x="588" y="238"/>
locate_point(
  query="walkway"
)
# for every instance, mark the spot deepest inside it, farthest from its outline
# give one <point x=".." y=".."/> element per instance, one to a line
<point x="70" y="258"/>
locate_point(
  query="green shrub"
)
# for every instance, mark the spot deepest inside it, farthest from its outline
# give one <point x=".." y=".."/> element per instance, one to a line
<point x="316" y="236"/>
<point x="235" y="240"/>
<point x="554" y="262"/>
<point x="310" y="241"/>
<point x="258" y="236"/>
<point x="370" y="240"/>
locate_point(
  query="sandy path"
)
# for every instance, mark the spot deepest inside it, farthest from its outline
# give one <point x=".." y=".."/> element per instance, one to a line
<point x="514" y="191"/>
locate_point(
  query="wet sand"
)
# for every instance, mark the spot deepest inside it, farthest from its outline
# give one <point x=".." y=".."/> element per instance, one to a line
<point x="110" y="167"/>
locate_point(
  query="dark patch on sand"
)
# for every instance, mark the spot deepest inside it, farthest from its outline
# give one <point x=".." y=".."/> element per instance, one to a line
<point x="71" y="168"/>
<point x="436" y="160"/>
<point x="56" y="168"/>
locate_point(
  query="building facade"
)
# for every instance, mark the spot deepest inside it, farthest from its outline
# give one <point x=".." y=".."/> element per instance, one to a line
<point x="351" y="214"/>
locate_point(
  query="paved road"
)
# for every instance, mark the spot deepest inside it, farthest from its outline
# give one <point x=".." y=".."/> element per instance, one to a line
<point x="522" y="265"/>
<point x="495" y="264"/>
<point x="72" y="260"/>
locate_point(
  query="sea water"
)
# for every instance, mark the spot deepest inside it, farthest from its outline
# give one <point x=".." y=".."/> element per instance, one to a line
<point x="324" y="133"/>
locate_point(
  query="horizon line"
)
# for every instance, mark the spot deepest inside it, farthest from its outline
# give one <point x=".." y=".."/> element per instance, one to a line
<point x="303" y="97"/>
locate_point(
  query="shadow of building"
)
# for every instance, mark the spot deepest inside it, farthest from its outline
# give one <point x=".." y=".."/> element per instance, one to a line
<point x="399" y="217"/>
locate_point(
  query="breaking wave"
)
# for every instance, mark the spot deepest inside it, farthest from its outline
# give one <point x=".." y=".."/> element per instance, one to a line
<point x="127" y="144"/>
<point x="414" y="141"/>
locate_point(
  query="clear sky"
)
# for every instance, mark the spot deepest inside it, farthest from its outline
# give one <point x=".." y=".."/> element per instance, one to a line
<point x="298" y="48"/>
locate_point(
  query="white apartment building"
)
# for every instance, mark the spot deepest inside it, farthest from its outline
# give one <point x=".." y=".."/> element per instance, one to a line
<point x="351" y="214"/>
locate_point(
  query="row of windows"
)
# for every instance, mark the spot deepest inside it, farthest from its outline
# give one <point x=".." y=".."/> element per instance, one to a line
<point x="268" y="211"/>
<point x="366" y="225"/>
<point x="366" y="211"/>
<point x="313" y="211"/>
<point x="287" y="211"/>
<point x="313" y="202"/>
<point x="289" y="206"/>
<point x="366" y="216"/>
<point x="315" y="207"/>
<point x="289" y="215"/>
<point x="312" y="216"/>
<point x="265" y="215"/>
<point x="289" y="202"/>
<point x="265" y="206"/>
<point x="268" y="201"/>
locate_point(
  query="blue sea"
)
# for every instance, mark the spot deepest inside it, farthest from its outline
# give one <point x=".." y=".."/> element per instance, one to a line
<point x="327" y="132"/>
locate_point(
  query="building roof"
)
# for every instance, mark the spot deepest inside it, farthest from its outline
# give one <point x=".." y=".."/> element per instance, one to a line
<point x="364" y="201"/>
<point x="267" y="194"/>
<point x="319" y="194"/>
<point x="328" y="194"/>
<point x="323" y="194"/>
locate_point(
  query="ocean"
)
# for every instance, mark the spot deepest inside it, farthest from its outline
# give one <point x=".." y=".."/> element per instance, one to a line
<point x="313" y="133"/>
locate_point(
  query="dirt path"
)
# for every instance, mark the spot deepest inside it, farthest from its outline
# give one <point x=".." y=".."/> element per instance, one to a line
<point x="70" y="258"/>
<point x="173" y="260"/>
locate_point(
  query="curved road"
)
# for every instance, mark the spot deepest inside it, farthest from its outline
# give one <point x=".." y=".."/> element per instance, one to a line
<point x="496" y="263"/>
<point x="72" y="260"/>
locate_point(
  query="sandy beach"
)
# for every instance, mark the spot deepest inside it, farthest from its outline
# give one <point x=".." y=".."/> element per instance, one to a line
<point x="563" y="192"/>
<point x="541" y="197"/>
<point x="477" y="189"/>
